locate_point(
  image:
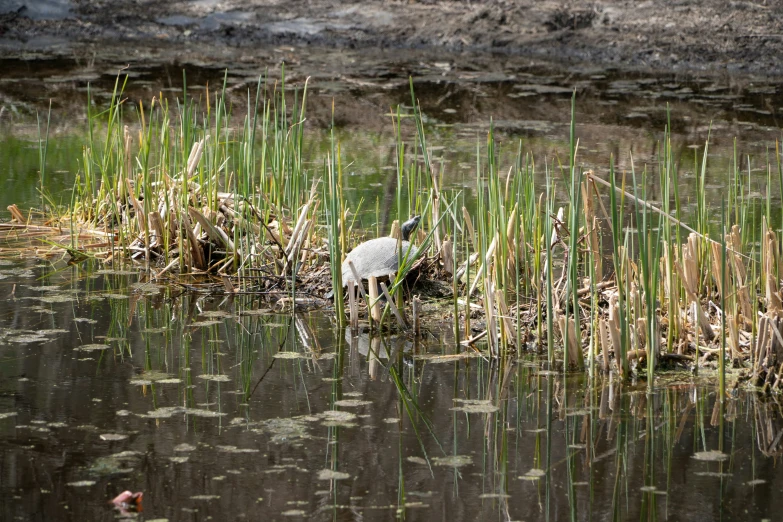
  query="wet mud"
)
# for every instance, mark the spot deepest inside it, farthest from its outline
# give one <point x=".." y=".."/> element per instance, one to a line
<point x="660" y="35"/>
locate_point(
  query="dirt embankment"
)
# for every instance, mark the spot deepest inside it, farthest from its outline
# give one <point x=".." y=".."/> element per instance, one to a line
<point x="709" y="36"/>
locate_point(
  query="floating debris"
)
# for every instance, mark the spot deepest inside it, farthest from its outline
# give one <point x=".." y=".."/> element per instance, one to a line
<point x="92" y="347"/>
<point x="41" y="310"/>
<point x="234" y="449"/>
<point x="351" y="403"/>
<point x="7" y="415"/>
<point x="215" y="313"/>
<point x="756" y="482"/>
<point x="147" y="288"/>
<point x="117" y="464"/>
<point x="713" y="474"/>
<point x="162" y="413"/>
<point x="44" y="288"/>
<point x="494" y="495"/>
<point x="433" y="358"/>
<point x="287" y="429"/>
<point x="328" y="474"/>
<point x="129" y="454"/>
<point x="710" y="456"/>
<point x="203" y="413"/>
<point x="204" y="324"/>
<point x="301" y="355"/>
<point x="258" y="311"/>
<point x="81" y="483"/>
<point x="416" y="460"/>
<point x="113" y="436"/>
<point x="153" y="375"/>
<point x="475" y="406"/>
<point x="338" y="418"/>
<point x="453" y="461"/>
<point x="533" y="474"/>
<point x="205" y="497"/>
<point x="53" y="298"/>
<point x="110" y="271"/>
<point x="184" y="447"/>
<point x="293" y="513"/>
<point x="27" y="339"/>
<point x="86" y="320"/>
<point x="215" y="377"/>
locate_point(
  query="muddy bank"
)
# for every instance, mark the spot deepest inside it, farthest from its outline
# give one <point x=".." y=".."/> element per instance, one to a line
<point x="516" y="63"/>
<point x="663" y="35"/>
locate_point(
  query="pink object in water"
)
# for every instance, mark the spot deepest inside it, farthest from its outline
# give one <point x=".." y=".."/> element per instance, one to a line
<point x="126" y="498"/>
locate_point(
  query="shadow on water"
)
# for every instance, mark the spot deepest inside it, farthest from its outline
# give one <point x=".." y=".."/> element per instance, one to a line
<point x="216" y="407"/>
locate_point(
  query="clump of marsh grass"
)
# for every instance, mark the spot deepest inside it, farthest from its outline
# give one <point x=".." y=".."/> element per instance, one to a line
<point x="183" y="189"/>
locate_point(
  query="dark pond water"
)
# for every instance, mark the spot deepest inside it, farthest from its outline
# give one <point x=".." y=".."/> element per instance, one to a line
<point x="223" y="410"/>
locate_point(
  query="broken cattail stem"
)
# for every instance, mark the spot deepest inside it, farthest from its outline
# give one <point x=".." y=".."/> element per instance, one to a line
<point x="353" y="311"/>
<point x="605" y="338"/>
<point x="469" y="225"/>
<point x="396" y="311"/>
<point x="375" y="305"/>
<point x="489" y="310"/>
<point x="416" y="305"/>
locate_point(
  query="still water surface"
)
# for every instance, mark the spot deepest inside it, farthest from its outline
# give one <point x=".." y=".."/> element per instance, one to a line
<point x="221" y="409"/>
